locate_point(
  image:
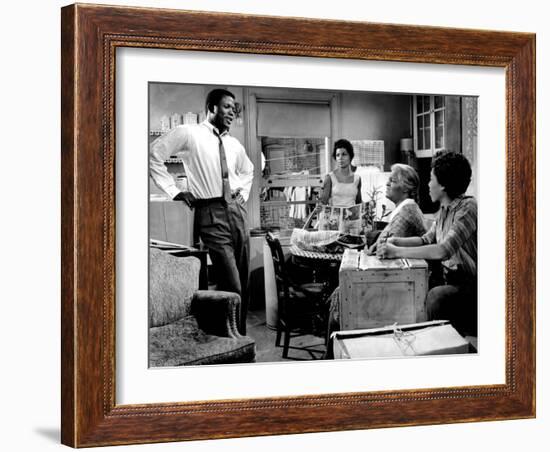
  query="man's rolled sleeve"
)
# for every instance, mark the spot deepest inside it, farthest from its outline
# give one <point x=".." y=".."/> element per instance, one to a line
<point x="160" y="150"/>
<point x="245" y="171"/>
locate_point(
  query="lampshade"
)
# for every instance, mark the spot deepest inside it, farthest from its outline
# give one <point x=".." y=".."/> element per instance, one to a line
<point x="406" y="144"/>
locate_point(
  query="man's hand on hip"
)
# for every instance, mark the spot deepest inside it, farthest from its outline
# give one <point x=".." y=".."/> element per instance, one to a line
<point x="186" y="197"/>
<point x="239" y="197"/>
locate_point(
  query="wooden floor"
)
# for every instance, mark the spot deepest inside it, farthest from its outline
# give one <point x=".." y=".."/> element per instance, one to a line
<point x="266" y="351"/>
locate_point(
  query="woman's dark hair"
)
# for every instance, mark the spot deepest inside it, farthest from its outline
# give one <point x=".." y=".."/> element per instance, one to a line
<point x="215" y="96"/>
<point x="344" y="144"/>
<point x="453" y="172"/>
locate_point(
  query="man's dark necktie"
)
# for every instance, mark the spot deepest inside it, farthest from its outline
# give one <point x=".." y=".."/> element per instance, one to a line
<point x="226" y="189"/>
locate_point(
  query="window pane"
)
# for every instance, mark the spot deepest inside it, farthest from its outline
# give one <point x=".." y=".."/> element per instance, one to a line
<point x="419" y="131"/>
<point x="439" y="101"/>
<point x="419" y="104"/>
<point x="439" y="118"/>
<point x="439" y="129"/>
<point x="427" y="137"/>
<point x="439" y="142"/>
<point x="426" y="103"/>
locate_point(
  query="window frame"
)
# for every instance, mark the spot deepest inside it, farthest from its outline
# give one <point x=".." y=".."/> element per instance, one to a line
<point x="428" y="152"/>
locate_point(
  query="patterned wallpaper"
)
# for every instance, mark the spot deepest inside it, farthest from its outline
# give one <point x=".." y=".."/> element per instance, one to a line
<point x="469" y="137"/>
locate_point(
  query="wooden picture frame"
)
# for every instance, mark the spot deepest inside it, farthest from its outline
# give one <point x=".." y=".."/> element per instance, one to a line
<point x="90" y="37"/>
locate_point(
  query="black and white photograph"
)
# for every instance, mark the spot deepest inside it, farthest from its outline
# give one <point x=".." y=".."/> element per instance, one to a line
<point x="294" y="224"/>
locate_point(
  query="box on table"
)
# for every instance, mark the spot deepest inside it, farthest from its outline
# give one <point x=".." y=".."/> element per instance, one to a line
<point x="427" y="338"/>
<point x="377" y="292"/>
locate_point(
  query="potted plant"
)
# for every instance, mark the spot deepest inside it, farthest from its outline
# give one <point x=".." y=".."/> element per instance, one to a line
<point x="373" y="224"/>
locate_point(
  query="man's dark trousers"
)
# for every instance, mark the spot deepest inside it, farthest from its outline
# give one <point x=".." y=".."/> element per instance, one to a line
<point x="223" y="229"/>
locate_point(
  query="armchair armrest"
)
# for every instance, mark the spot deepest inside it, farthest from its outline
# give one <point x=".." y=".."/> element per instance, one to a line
<point x="216" y="312"/>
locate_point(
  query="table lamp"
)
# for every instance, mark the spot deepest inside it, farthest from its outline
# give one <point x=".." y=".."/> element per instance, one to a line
<point x="407" y="154"/>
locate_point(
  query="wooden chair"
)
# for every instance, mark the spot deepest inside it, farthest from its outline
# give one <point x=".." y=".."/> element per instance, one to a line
<point x="301" y="307"/>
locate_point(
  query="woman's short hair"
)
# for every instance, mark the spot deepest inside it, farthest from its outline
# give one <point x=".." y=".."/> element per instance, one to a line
<point x="343" y="144"/>
<point x="453" y="172"/>
<point x="215" y="96"/>
<point x="407" y="178"/>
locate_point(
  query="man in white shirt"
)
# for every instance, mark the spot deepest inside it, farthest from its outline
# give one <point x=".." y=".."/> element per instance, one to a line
<point x="219" y="175"/>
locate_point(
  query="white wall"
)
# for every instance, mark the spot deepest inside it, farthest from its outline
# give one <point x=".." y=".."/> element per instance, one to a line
<point x="30" y="228"/>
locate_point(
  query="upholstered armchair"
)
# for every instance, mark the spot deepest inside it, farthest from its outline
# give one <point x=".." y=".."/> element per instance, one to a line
<point x="189" y="326"/>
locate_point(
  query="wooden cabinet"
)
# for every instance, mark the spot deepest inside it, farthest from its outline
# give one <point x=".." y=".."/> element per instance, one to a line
<point x="171" y="221"/>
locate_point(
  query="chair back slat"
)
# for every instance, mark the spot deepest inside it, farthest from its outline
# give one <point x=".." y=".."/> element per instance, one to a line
<point x="281" y="276"/>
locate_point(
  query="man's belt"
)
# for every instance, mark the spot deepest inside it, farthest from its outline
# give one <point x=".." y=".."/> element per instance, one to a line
<point x="208" y="201"/>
